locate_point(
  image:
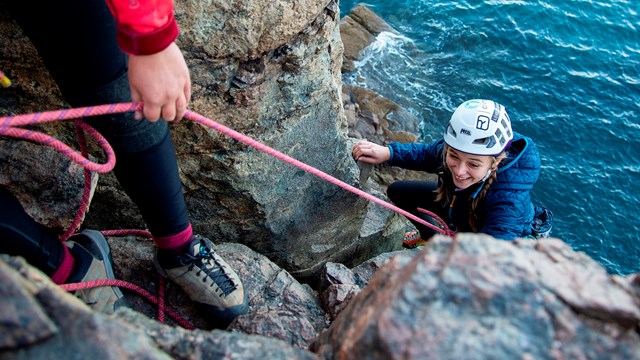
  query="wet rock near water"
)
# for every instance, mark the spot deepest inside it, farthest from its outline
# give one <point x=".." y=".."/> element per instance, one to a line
<point x="358" y="29"/>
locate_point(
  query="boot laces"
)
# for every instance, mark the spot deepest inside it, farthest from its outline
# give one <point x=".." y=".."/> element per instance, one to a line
<point x="210" y="265"/>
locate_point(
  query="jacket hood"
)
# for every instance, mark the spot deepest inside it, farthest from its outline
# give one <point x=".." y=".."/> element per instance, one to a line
<point x="521" y="168"/>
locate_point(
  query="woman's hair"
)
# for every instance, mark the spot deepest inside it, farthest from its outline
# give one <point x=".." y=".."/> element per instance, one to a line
<point x="442" y="192"/>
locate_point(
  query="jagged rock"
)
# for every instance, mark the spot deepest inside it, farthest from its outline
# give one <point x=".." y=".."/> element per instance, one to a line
<point x="72" y="328"/>
<point x="365" y="271"/>
<point x="337" y="287"/>
<point x="475" y="297"/>
<point x="380" y="120"/>
<point x="22" y="322"/>
<point x="336" y="297"/>
<point x="215" y="344"/>
<point x="72" y="331"/>
<point x="50" y="200"/>
<point x="335" y="274"/>
<point x="279" y="306"/>
<point x="278" y="324"/>
<point x="339" y="284"/>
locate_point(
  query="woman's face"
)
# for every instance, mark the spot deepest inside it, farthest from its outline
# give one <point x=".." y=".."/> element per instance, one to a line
<point x="467" y="169"/>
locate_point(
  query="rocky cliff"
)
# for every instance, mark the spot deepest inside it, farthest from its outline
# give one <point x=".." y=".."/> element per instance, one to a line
<point x="272" y="70"/>
<point x="268" y="69"/>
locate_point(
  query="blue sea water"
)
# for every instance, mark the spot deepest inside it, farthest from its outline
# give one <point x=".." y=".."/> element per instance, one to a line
<point x="569" y="74"/>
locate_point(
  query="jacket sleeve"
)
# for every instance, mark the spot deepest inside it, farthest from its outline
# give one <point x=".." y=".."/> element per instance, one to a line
<point x="144" y="27"/>
<point x="416" y="156"/>
<point x="507" y="214"/>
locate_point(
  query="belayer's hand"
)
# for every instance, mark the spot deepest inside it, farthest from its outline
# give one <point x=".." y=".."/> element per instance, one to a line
<point x="370" y="153"/>
<point x="162" y="83"/>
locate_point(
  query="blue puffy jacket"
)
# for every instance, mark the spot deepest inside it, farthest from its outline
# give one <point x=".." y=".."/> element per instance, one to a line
<point x="506" y="212"/>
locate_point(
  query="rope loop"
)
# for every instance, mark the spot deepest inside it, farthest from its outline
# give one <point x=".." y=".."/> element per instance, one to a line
<point x="11" y="126"/>
<point x="129" y="286"/>
<point x="443" y="229"/>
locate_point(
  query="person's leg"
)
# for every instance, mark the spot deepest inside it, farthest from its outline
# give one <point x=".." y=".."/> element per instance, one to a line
<point x="20" y="235"/>
<point x="411" y="195"/>
<point x="76" y="40"/>
<point x="87" y="256"/>
<point x="85" y="61"/>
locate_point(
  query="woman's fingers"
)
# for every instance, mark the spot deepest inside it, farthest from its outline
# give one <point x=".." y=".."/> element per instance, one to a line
<point x="371" y="153"/>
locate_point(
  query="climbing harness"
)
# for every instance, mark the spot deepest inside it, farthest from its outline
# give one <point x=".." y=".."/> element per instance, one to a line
<point x="11" y="126"/>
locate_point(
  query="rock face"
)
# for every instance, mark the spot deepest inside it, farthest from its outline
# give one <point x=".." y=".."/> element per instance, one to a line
<point x="26" y="170"/>
<point x="475" y="297"/>
<point x="272" y="72"/>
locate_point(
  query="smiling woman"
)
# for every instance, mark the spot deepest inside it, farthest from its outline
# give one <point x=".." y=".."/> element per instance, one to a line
<point x="469" y="169"/>
<point x="485" y="172"/>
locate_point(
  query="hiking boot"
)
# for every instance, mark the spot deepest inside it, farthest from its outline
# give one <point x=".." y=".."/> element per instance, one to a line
<point x="207" y="279"/>
<point x="412" y="240"/>
<point x="92" y="256"/>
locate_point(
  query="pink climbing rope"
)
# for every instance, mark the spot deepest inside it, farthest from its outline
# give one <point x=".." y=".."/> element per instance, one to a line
<point x="310" y="169"/>
<point x="158" y="300"/>
<point x="9" y="127"/>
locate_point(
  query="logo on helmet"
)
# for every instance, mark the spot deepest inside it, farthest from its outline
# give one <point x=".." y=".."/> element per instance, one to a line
<point x="482" y="123"/>
<point x="465" y="131"/>
<point x="472" y="104"/>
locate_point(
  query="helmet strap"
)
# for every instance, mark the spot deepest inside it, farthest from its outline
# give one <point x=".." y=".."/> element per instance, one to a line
<point x="486" y="176"/>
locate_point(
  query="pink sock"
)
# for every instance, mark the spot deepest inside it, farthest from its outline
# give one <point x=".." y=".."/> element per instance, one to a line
<point x="64" y="270"/>
<point x="174" y="241"/>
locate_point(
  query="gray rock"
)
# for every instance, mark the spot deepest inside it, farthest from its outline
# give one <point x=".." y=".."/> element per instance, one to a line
<point x="71" y="330"/>
<point x="22" y="322"/>
<point x="26" y="170"/>
<point x="279" y="306"/>
<point x="476" y="297"/>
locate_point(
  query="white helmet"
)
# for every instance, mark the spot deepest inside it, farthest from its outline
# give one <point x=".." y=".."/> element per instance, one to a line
<point x="479" y="127"/>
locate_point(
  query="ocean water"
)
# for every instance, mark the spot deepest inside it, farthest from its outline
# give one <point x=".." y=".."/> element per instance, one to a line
<point x="569" y="74"/>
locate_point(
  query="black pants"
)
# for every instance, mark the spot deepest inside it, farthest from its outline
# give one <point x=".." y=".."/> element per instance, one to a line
<point x="76" y="39"/>
<point x="411" y="195"/>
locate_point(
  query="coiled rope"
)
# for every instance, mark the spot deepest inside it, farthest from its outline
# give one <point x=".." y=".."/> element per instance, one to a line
<point x="11" y="126"/>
